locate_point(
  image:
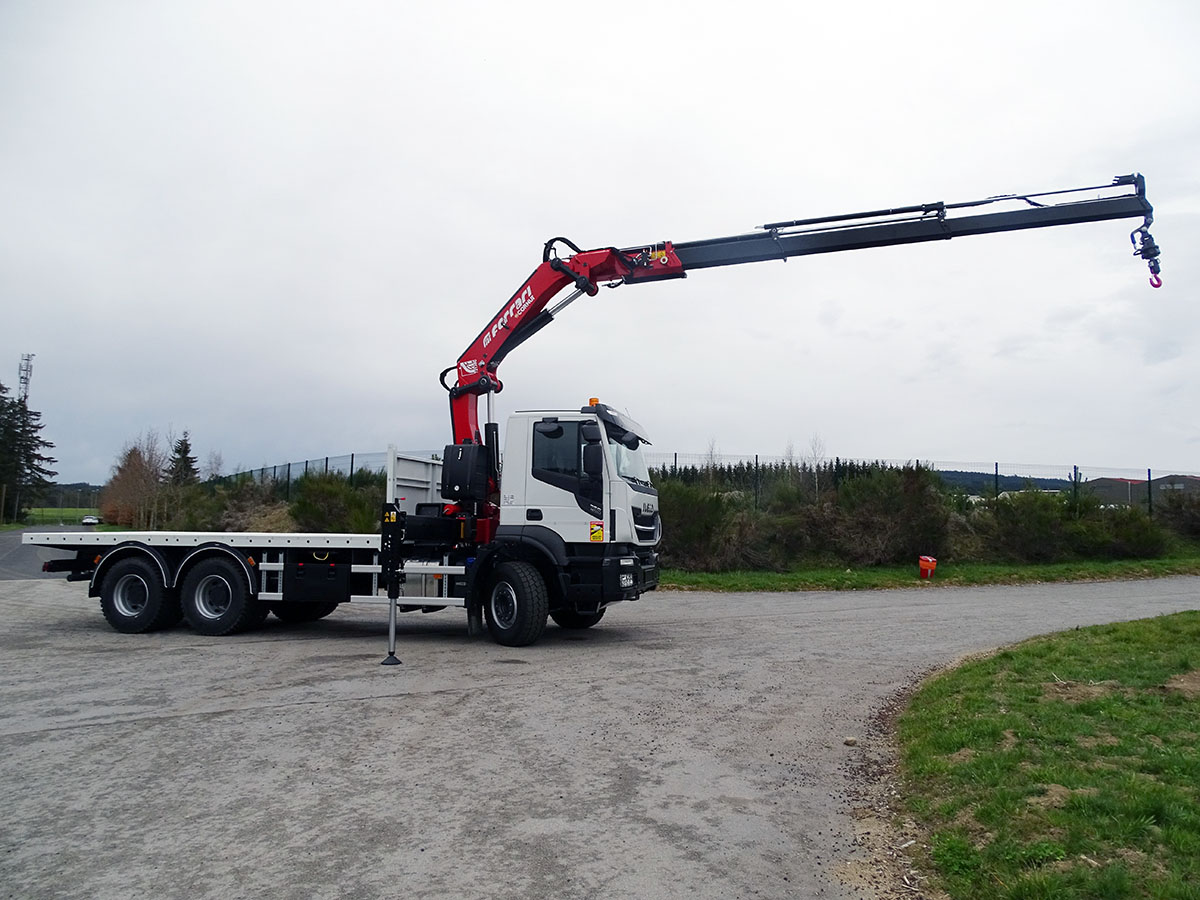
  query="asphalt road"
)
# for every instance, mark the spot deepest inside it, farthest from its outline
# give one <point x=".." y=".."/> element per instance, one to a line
<point x="691" y="745"/>
<point x="18" y="561"/>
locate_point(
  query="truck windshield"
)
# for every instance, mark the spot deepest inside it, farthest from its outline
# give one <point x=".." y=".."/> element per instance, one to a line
<point x="631" y="464"/>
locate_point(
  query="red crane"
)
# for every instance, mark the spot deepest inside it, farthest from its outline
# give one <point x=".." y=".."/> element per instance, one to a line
<point x="526" y="311"/>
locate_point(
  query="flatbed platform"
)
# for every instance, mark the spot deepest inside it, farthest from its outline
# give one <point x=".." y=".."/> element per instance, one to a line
<point x="74" y="539"/>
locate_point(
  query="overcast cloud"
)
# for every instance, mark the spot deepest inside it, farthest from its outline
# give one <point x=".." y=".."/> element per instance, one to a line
<point x="273" y="224"/>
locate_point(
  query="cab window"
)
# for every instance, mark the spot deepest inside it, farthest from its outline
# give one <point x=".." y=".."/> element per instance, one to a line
<point x="558" y="454"/>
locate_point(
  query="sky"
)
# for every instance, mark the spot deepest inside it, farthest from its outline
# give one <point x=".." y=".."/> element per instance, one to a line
<point x="272" y="224"/>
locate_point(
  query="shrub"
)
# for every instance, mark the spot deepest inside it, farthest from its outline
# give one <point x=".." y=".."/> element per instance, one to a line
<point x="197" y="507"/>
<point x="1133" y="534"/>
<point x="1029" y="526"/>
<point x="693" y="521"/>
<point x="892" y="515"/>
<point x="329" y="503"/>
<point x="1181" y="514"/>
<point x="885" y="515"/>
<point x="1037" y="526"/>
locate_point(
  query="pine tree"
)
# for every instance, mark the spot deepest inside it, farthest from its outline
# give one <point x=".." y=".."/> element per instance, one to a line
<point x="8" y="452"/>
<point x="24" y="468"/>
<point x="182" y="470"/>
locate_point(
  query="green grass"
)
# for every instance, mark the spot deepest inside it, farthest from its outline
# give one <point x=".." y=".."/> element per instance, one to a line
<point x="1063" y="767"/>
<point x="51" y="515"/>
<point x="874" y="577"/>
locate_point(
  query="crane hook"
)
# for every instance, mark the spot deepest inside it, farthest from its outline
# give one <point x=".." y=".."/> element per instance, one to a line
<point x="1144" y="246"/>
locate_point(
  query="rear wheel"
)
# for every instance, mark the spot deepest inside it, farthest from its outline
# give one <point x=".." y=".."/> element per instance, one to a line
<point x="134" y="599"/>
<point x="569" y="618"/>
<point x="516" y="604"/>
<point x="216" y="599"/>
<point x="303" y="612"/>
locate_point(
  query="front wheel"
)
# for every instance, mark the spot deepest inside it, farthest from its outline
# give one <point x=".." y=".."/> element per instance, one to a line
<point x="216" y="599"/>
<point x="517" y="604"/>
<point x="569" y="618"/>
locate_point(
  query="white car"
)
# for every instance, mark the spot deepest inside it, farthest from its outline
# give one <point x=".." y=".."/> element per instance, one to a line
<point x="91" y="520"/>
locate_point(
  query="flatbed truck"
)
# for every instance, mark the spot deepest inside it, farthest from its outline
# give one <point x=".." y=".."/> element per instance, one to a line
<point x="564" y="522"/>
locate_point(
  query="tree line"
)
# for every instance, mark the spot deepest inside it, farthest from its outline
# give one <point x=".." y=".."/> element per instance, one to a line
<point x="156" y="488"/>
<point x="715" y="517"/>
<point x="784" y="516"/>
<point x="150" y="484"/>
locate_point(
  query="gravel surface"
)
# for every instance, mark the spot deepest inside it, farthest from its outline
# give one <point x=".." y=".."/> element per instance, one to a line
<point x="692" y="744"/>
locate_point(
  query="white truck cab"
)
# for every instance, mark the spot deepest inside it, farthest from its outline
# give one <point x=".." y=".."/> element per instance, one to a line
<point x="576" y="504"/>
<point x="570" y="527"/>
<point x="580" y="474"/>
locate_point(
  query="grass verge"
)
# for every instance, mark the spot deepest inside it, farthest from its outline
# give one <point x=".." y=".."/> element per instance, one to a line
<point x="959" y="574"/>
<point x="54" y="515"/>
<point x="1064" y="767"/>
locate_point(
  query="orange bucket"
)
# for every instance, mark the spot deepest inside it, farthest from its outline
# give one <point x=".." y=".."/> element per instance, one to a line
<point x="927" y="565"/>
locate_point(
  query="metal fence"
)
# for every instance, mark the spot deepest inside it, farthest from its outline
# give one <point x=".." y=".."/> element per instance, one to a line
<point x="1031" y="471"/>
<point x="347" y="463"/>
<point x="1113" y="486"/>
<point x="989" y="476"/>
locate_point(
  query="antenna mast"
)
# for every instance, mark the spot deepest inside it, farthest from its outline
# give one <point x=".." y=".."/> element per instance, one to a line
<point x="26" y="374"/>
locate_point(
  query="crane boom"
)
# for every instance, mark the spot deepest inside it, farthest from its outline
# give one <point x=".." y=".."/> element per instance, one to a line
<point x="526" y="311"/>
<point x="931" y="222"/>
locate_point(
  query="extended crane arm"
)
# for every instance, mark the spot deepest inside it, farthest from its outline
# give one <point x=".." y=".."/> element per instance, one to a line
<point x="526" y="311"/>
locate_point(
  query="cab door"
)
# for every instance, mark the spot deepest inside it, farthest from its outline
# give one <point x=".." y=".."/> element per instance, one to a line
<point x="561" y="494"/>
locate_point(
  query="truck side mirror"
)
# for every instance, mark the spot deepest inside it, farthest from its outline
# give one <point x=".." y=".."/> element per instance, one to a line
<point x="630" y="440"/>
<point x="591" y="432"/>
<point x="593" y="460"/>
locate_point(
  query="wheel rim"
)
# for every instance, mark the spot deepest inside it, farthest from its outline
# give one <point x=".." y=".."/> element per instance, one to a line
<point x="213" y="597"/>
<point x="131" y="595"/>
<point x="504" y="606"/>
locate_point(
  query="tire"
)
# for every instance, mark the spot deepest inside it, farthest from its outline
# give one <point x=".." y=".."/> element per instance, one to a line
<point x="216" y="599"/>
<point x="516" y="604"/>
<point x="568" y="618"/>
<point x="134" y="600"/>
<point x="293" y="613"/>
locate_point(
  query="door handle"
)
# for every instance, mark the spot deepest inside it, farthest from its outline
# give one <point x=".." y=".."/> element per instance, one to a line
<point x="533" y="515"/>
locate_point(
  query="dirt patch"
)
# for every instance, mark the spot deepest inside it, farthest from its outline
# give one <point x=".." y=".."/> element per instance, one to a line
<point x="1186" y="683"/>
<point x="1079" y="691"/>
<point x="980" y="836"/>
<point x="1007" y="742"/>
<point x="1090" y="742"/>
<point x="1056" y="796"/>
<point x="274" y="518"/>
<point x="892" y="844"/>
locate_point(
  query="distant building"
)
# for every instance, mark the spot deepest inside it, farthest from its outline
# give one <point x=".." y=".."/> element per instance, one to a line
<point x="1175" y="485"/>
<point x="1133" y="491"/>
<point x="1120" y="491"/>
